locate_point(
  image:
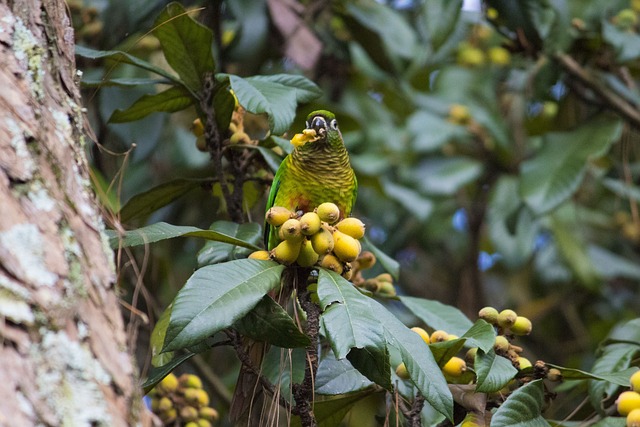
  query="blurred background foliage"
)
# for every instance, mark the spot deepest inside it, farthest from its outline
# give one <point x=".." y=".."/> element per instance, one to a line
<point x="496" y="146"/>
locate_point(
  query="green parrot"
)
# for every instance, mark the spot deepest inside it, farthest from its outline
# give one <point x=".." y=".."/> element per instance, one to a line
<point x="317" y="171"/>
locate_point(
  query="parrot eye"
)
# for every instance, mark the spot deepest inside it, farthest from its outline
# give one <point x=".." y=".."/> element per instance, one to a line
<point x="334" y="124"/>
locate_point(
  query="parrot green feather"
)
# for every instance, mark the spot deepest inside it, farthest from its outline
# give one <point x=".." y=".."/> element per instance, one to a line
<point x="318" y="171"/>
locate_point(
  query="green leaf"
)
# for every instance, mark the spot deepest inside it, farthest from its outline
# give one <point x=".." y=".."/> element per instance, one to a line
<point x="522" y="408"/>
<point x="625" y="43"/>
<point x="171" y="100"/>
<point x="443" y="351"/>
<point x="186" y="45"/>
<point x="615" y="358"/>
<point x="430" y="132"/>
<point x="214" y="251"/>
<point x="411" y="200"/>
<point x="628" y="332"/>
<point x="610" y="422"/>
<point x="481" y="335"/>
<point x="554" y="174"/>
<point x="390" y="265"/>
<point x="440" y="18"/>
<point x="492" y="371"/>
<point x="611" y="266"/>
<point x="145" y="203"/>
<point x="622" y="189"/>
<point x="620" y="378"/>
<point x="162" y="231"/>
<point x="422" y="367"/>
<point x="125" y="58"/>
<point x="330" y="412"/>
<point x="216" y="296"/>
<point x="276" y="95"/>
<point x="445" y="176"/>
<point x="156" y="374"/>
<point x="269" y="322"/>
<point x="349" y="322"/>
<point x="224" y="103"/>
<point x="157" y="340"/>
<point x="124" y="82"/>
<point x="339" y="376"/>
<point x="438" y="315"/>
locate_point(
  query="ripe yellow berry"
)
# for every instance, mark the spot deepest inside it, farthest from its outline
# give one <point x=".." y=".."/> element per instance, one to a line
<point x="523" y="363"/>
<point x="386" y="289"/>
<point x="402" y="372"/>
<point x="470" y="56"/>
<point x="459" y="114"/>
<point x="452" y="337"/>
<point x="189" y="413"/>
<point x="162" y="404"/>
<point x="239" y="138"/>
<point x="322" y="241"/>
<point x="169" y="416"/>
<point x="439" y="336"/>
<point x="507" y="318"/>
<point x="310" y="223"/>
<point x="492" y="14"/>
<point x="635" y="381"/>
<point x="489" y="315"/>
<point x="499" y="56"/>
<point x="191" y="424"/>
<point x="348" y="272"/>
<point x="277" y="215"/>
<point x="330" y="262"/>
<point x="549" y="109"/>
<point x="307" y="256"/>
<point x="196" y="397"/>
<point x="423" y="334"/>
<point x="554" y="375"/>
<point x="286" y="252"/>
<point x="627" y="402"/>
<point x="328" y="212"/>
<point x="455" y="367"/>
<point x="291" y="231"/>
<point x="168" y="384"/>
<point x="366" y="260"/>
<point x="262" y="255"/>
<point x="345" y="247"/>
<point x="204" y="423"/>
<point x="633" y="419"/>
<point x="209" y="413"/>
<point x="470" y="356"/>
<point x="501" y="345"/>
<point x="190" y="380"/>
<point x="307" y="135"/>
<point x="197" y="127"/>
<point x="522" y="326"/>
<point x="352" y="227"/>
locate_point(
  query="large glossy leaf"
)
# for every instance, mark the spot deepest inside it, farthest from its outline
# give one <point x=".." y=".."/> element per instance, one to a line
<point x="440" y="18"/>
<point x="339" y="377"/>
<point x="149" y="201"/>
<point x="438" y="315"/>
<point x="169" y="101"/>
<point x="214" y="251"/>
<point x="269" y="322"/>
<point x="614" y="358"/>
<point x="492" y="371"/>
<point x="157" y="339"/>
<point x="555" y="172"/>
<point x="421" y="365"/>
<point x="216" y="296"/>
<point x="156" y="374"/>
<point x="481" y="335"/>
<point x="186" y="45"/>
<point x="627" y="332"/>
<point x="330" y="412"/>
<point x="574" y="251"/>
<point x="620" y="378"/>
<point x="350" y="322"/>
<point x="522" y="408"/>
<point x="162" y="231"/>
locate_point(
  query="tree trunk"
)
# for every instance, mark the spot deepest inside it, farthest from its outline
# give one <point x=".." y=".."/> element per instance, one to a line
<point x="63" y="348"/>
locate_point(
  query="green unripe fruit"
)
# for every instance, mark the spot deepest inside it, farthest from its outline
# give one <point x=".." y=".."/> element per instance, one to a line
<point x="262" y="255"/>
<point x="322" y="241"/>
<point x="635" y="381"/>
<point x="168" y="384"/>
<point x="402" y="372"/>
<point x="626" y="19"/>
<point x="523" y="363"/>
<point x="162" y="404"/>
<point x="190" y="380"/>
<point x="507" y="318"/>
<point x="501" y="345"/>
<point x="439" y="336"/>
<point x="330" y="262"/>
<point x="522" y="326"/>
<point x="549" y="109"/>
<point x="328" y="212"/>
<point x="352" y="227"/>
<point x="307" y="256"/>
<point x="277" y="215"/>
<point x="455" y="367"/>
<point x="345" y="247"/>
<point x="633" y="419"/>
<point x="203" y="423"/>
<point x="189" y="413"/>
<point x="197" y="127"/>
<point x="291" y="231"/>
<point x="499" y="56"/>
<point x="423" y="334"/>
<point x="470" y="356"/>
<point x="169" y="416"/>
<point x="554" y="375"/>
<point x="310" y="223"/>
<point x="286" y="252"/>
<point x="470" y="56"/>
<point x="386" y="289"/>
<point x="489" y="315"/>
<point x="366" y="260"/>
<point x="627" y="402"/>
<point x="209" y="413"/>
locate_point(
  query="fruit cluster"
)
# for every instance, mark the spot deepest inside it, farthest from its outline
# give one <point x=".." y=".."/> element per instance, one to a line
<point x="508" y="325"/>
<point x="628" y="402"/>
<point x="182" y="402"/>
<point x="483" y="45"/>
<point x="627" y="19"/>
<point x="236" y="131"/>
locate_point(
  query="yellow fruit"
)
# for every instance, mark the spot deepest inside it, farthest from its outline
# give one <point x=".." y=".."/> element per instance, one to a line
<point x="452" y="337"/>
<point x="499" y="56"/>
<point x="239" y="138"/>
<point x="633" y="419"/>
<point x="162" y="404"/>
<point x="307" y="135"/>
<point x="501" y="345"/>
<point x="196" y="397"/>
<point x="507" y="318"/>
<point x="489" y="315"/>
<point x="402" y="372"/>
<point x="191" y="424"/>
<point x="262" y="255"/>
<point x="635" y="381"/>
<point x="523" y="363"/>
<point x="366" y="260"/>
<point x="627" y="402"/>
<point x="277" y="215"/>
<point x="190" y="380"/>
<point x="322" y="241"/>
<point x="522" y="326"/>
<point x="384" y="277"/>
<point x="554" y="375"/>
<point x="189" y="413"/>
<point x="470" y="356"/>
<point x="471" y="420"/>
<point x="330" y="262"/>
<point x="328" y="212"/>
<point x="345" y="247"/>
<point x="209" y="413"/>
<point x="386" y="289"/>
<point x="347" y="273"/>
<point x="455" y="367"/>
<point x="201" y="144"/>
<point x="492" y="14"/>
<point x="307" y="256"/>
<point x="286" y="252"/>
<point x="439" y="336"/>
<point x="423" y="334"/>
<point x="352" y="227"/>
<point x="168" y="384"/>
<point x="549" y="109"/>
<point x="169" y="416"/>
<point x="197" y="127"/>
<point x="204" y="423"/>
<point x="470" y="56"/>
<point x="291" y="231"/>
<point x="459" y="114"/>
<point x="310" y="223"/>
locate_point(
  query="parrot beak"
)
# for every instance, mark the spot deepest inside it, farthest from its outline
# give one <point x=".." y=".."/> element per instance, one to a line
<point x="319" y="124"/>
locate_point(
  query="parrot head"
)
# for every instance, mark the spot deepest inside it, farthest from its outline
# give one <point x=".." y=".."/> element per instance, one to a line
<point x="321" y="129"/>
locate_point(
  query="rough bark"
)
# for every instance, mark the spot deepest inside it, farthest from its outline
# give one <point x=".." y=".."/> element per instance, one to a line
<point x="63" y="347"/>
